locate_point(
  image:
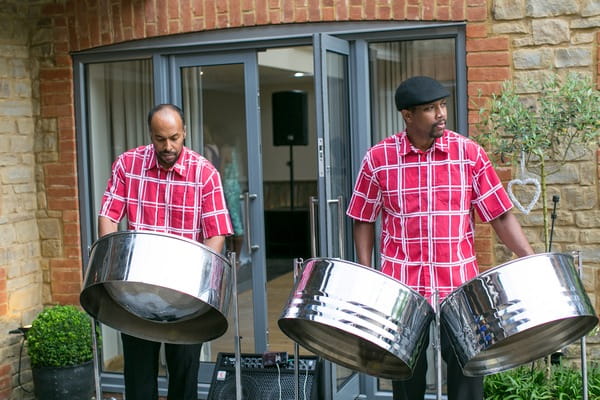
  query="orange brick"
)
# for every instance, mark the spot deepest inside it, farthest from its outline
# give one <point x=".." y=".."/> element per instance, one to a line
<point x="477" y="13"/>
<point x="488" y="74"/>
<point x="412" y="12"/>
<point x="488" y="44"/>
<point x="484" y="88"/>
<point x="490" y="59"/>
<point x="443" y="13"/>
<point x="457" y="8"/>
<point x="356" y="13"/>
<point x="341" y="11"/>
<point x="428" y="7"/>
<point x="55" y="74"/>
<point x="162" y="17"/>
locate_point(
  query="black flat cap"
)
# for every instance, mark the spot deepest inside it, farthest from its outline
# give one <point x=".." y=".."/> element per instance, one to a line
<point x="419" y="90"/>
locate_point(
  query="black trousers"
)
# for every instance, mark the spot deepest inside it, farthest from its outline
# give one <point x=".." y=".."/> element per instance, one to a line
<point x="141" y="369"/>
<point x="460" y="387"/>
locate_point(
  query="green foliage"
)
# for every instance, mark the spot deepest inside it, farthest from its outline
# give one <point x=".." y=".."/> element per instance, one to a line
<point x="544" y="131"/>
<point x="563" y="118"/>
<point x="60" y="336"/>
<point x="525" y="383"/>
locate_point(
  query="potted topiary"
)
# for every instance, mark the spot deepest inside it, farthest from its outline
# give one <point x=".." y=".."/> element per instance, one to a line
<point x="60" y="348"/>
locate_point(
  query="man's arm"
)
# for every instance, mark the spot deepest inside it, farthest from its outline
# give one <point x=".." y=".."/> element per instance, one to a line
<point x="216" y="243"/>
<point x="106" y="226"/>
<point x="364" y="239"/>
<point x="509" y="231"/>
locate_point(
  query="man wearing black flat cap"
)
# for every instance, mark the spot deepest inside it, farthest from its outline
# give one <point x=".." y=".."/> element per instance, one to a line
<point x="427" y="182"/>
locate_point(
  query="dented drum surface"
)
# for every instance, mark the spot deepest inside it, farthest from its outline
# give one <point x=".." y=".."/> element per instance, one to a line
<point x="357" y="317"/>
<point x="517" y="312"/>
<point x="158" y="286"/>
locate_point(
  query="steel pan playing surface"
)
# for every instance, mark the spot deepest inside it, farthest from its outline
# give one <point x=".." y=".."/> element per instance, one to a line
<point x="357" y="317"/>
<point x="158" y="287"/>
<point x="516" y="313"/>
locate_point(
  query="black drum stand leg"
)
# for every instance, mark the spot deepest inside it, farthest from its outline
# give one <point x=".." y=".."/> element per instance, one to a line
<point x="236" y="319"/>
<point x="584" y="376"/>
<point x="297" y="265"/>
<point x="96" y="361"/>
<point x="437" y="346"/>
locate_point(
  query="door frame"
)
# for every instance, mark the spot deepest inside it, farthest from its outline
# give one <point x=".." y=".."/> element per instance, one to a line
<point x="248" y="59"/>
<point x="322" y="45"/>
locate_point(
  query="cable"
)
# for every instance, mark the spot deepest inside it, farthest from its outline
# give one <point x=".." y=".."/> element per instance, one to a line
<point x="279" y="379"/>
<point x="305" y="381"/>
<point x="20" y="359"/>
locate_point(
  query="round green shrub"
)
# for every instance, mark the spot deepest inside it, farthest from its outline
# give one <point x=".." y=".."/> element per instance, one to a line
<point x="60" y="336"/>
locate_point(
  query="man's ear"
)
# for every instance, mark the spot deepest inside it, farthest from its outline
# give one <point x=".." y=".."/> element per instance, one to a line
<point x="406" y="114"/>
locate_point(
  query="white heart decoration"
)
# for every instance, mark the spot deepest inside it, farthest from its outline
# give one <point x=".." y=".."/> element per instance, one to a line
<point x="536" y="195"/>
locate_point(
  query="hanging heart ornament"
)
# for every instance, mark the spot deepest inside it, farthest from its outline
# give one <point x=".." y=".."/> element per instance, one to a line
<point x="536" y="194"/>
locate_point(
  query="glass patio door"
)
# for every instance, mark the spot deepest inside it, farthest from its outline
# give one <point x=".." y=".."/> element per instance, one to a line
<point x="332" y="88"/>
<point x="218" y="94"/>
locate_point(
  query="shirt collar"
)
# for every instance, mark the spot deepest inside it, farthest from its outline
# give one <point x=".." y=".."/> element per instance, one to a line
<point x="405" y="146"/>
<point x="178" y="167"/>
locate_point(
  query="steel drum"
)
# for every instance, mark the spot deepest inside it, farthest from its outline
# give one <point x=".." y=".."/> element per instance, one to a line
<point x="517" y="312"/>
<point x="158" y="287"/>
<point x="357" y="317"/>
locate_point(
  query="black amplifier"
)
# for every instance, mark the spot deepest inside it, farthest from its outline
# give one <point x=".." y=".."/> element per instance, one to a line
<point x="264" y="379"/>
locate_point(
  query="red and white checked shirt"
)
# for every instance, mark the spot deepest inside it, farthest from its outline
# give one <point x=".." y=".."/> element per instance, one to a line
<point x="426" y="199"/>
<point x="185" y="200"/>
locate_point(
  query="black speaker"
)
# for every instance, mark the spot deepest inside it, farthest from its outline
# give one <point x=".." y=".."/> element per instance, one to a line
<point x="290" y="118"/>
<point x="264" y="383"/>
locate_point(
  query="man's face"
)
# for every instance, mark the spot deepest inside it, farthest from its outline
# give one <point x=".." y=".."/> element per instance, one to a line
<point x="429" y="120"/>
<point x="167" y="134"/>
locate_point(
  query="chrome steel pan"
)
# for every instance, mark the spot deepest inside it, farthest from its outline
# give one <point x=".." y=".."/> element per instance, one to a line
<point x="357" y="317"/>
<point x="517" y="312"/>
<point x="158" y="287"/>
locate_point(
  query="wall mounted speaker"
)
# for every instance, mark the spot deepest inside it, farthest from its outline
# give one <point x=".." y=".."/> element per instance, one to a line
<point x="290" y="118"/>
<point x="263" y="383"/>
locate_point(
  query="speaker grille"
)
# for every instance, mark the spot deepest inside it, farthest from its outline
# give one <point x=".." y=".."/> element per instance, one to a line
<point x="263" y="383"/>
<point x="290" y="122"/>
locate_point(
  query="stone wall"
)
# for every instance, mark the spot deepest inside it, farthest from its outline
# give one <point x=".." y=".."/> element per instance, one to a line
<point x="21" y="294"/>
<point x="525" y="40"/>
<point x="40" y="254"/>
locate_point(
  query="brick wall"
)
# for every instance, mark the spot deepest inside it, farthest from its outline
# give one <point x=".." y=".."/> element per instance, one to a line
<point x="40" y="259"/>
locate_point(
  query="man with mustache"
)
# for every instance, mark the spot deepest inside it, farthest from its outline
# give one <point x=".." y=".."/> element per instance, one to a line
<point x="165" y="187"/>
<point x="427" y="182"/>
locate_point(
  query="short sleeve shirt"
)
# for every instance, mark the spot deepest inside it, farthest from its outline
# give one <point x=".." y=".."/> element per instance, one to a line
<point x="185" y="200"/>
<point x="427" y="200"/>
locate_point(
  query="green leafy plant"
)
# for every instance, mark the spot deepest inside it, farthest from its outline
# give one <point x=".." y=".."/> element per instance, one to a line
<point x="542" y="131"/>
<point x="60" y="336"/>
<point x="525" y="383"/>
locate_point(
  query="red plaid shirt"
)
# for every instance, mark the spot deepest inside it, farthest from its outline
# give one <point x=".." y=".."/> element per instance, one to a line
<point x="427" y="199"/>
<point x="186" y="200"/>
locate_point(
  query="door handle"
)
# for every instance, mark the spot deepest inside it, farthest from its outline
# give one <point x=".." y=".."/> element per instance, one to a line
<point x="312" y="208"/>
<point x="246" y="197"/>
<point x="341" y="224"/>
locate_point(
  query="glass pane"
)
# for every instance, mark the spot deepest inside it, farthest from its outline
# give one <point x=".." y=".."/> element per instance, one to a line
<point x="214" y="107"/>
<point x="338" y="169"/>
<point x="118" y="97"/>
<point x="289" y="173"/>
<point x="393" y="62"/>
<point x="390" y="64"/>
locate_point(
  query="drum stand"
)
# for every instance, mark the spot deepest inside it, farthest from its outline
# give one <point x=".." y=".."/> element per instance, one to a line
<point x="437" y="346"/>
<point x="236" y="319"/>
<point x="96" y="361"/>
<point x="297" y="264"/>
<point x="584" y="377"/>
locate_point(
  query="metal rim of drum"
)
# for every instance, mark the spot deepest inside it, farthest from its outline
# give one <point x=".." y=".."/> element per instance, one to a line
<point x="379" y="332"/>
<point x="502" y="319"/>
<point x="189" y="311"/>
